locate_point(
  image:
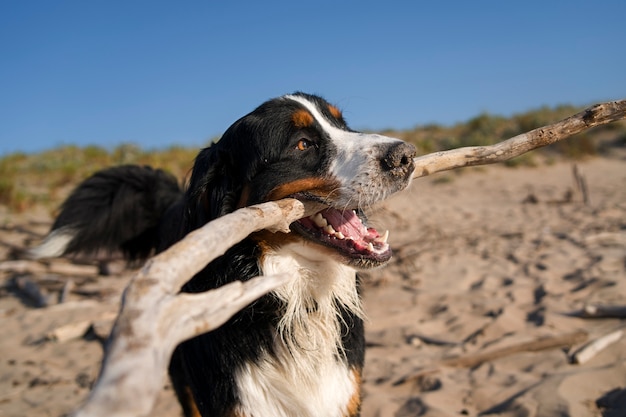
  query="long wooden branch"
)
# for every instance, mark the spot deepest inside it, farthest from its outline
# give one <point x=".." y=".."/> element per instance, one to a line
<point x="154" y="317"/>
<point x="596" y="115"/>
<point x="476" y="359"/>
<point x="550" y="342"/>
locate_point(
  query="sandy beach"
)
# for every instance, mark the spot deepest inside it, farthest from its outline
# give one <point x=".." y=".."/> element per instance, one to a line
<point x="478" y="313"/>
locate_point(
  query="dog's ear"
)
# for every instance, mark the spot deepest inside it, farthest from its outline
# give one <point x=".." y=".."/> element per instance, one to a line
<point x="222" y="172"/>
<point x="213" y="188"/>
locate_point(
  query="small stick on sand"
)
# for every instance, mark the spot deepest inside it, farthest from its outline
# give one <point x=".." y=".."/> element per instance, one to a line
<point x="604" y="312"/>
<point x="594" y="347"/>
<point x="65" y="292"/>
<point x="473" y="360"/>
<point x="78" y="329"/>
<point x="543" y="343"/>
<point x="581" y="184"/>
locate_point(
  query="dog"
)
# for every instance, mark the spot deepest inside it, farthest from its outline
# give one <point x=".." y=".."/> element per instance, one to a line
<point x="299" y="350"/>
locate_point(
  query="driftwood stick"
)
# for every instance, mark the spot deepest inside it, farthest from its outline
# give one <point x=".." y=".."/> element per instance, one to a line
<point x="596" y="311"/>
<point x="68" y="286"/>
<point x="476" y="359"/>
<point x="581" y="184"/>
<point x="77" y="329"/>
<point x="22" y="267"/>
<point x="592" y="348"/>
<point x="183" y="260"/>
<point x="134" y="366"/>
<point x="596" y="115"/>
<point x="203" y="310"/>
<point x="155" y="317"/>
<point x="544" y="343"/>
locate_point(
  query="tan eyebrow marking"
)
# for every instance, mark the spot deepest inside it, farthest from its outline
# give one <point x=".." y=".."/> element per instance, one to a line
<point x="302" y="118"/>
<point x="318" y="186"/>
<point x="334" y="111"/>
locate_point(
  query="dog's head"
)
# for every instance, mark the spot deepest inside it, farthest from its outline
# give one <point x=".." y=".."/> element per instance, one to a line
<point x="300" y="146"/>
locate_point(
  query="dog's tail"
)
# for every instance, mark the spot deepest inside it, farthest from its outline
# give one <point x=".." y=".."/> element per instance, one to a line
<point x="118" y="209"/>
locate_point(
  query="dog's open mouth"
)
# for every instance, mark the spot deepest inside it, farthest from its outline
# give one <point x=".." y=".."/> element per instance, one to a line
<point x="345" y="232"/>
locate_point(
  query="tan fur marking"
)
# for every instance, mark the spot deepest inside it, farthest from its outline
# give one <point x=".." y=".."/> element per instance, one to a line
<point x="334" y="111"/>
<point x="245" y="195"/>
<point x="270" y="241"/>
<point x="302" y="118"/>
<point x="354" y="405"/>
<point x="318" y="186"/>
<point x="191" y="403"/>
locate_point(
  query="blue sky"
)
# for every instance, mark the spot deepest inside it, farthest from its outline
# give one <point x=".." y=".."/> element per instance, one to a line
<point x="160" y="73"/>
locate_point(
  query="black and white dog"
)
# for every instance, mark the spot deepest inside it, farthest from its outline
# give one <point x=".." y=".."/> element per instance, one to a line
<point x="299" y="350"/>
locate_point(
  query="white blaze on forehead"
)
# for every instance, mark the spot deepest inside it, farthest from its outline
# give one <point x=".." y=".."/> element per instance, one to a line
<point x="358" y="154"/>
<point x="351" y="141"/>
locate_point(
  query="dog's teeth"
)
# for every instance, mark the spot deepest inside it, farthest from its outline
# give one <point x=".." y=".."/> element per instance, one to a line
<point x="339" y="235"/>
<point x="384" y="237"/>
<point x="329" y="229"/>
<point x="319" y="220"/>
<point x="370" y="247"/>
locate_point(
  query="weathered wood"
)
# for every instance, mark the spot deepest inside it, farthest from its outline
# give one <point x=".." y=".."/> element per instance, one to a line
<point x="76" y="329"/>
<point x="476" y="359"/>
<point x="596" y="346"/>
<point x="581" y="184"/>
<point x="155" y="317"/>
<point x="543" y="343"/>
<point x="482" y="155"/>
<point x="22" y="267"/>
<point x="596" y="311"/>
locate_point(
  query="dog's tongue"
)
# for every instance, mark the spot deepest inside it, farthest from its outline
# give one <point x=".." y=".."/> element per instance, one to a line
<point x="344" y="231"/>
<point x="349" y="224"/>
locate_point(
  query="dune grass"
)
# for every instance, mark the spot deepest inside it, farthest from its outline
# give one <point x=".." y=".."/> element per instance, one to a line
<point x="47" y="177"/>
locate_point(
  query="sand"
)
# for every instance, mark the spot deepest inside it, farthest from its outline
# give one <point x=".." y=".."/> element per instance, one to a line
<point x="485" y="259"/>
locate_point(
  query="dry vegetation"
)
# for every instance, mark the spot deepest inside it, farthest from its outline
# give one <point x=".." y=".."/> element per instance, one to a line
<point x="45" y="178"/>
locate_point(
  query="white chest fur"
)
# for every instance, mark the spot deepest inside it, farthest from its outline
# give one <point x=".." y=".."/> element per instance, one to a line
<point x="308" y="375"/>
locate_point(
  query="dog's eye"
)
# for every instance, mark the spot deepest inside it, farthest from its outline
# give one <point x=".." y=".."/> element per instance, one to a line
<point x="304" y="144"/>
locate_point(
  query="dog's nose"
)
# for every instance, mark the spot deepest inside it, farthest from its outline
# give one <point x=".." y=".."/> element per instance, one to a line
<point x="399" y="158"/>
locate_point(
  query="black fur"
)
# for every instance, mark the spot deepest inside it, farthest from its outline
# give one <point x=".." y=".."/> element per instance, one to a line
<point x="251" y="154"/>
<point x="119" y="208"/>
<point x="205" y="363"/>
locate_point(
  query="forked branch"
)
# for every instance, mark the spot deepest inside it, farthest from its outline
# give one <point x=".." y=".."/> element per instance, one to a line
<point x="154" y="317"/>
